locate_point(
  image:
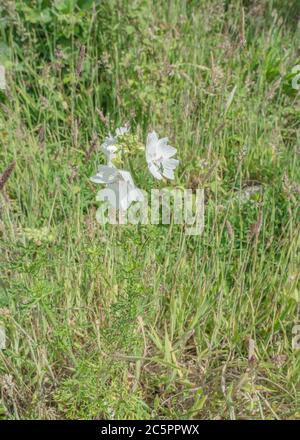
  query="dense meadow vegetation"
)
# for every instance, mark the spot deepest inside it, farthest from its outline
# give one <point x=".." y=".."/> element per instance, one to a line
<point x="144" y="321"/>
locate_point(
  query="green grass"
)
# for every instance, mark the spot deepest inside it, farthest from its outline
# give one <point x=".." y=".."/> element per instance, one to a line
<point x="143" y="321"/>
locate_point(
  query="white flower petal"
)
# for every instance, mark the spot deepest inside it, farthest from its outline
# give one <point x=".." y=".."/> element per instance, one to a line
<point x="154" y="171"/>
<point x="110" y="149"/>
<point x="168" y="173"/>
<point x="167" y="151"/>
<point x="122" y="130"/>
<point x="158" y="157"/>
<point x="170" y="164"/>
<point x="161" y="143"/>
<point x="151" y="146"/>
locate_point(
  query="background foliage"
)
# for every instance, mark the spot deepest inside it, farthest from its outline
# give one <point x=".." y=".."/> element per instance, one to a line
<point x="143" y="321"/>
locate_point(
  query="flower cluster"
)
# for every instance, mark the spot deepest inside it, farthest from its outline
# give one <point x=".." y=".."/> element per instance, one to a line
<point x="159" y="158"/>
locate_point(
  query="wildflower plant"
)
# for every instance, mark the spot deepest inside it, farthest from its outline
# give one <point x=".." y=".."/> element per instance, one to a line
<point x="121" y="149"/>
<point x="159" y="156"/>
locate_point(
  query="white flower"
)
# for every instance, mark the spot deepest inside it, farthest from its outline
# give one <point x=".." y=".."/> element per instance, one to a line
<point x="109" y="146"/>
<point x="159" y="157"/>
<point x="121" y="184"/>
<point x="122" y="130"/>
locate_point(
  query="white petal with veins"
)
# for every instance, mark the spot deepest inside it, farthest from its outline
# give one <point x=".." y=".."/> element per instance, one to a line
<point x="158" y="157"/>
